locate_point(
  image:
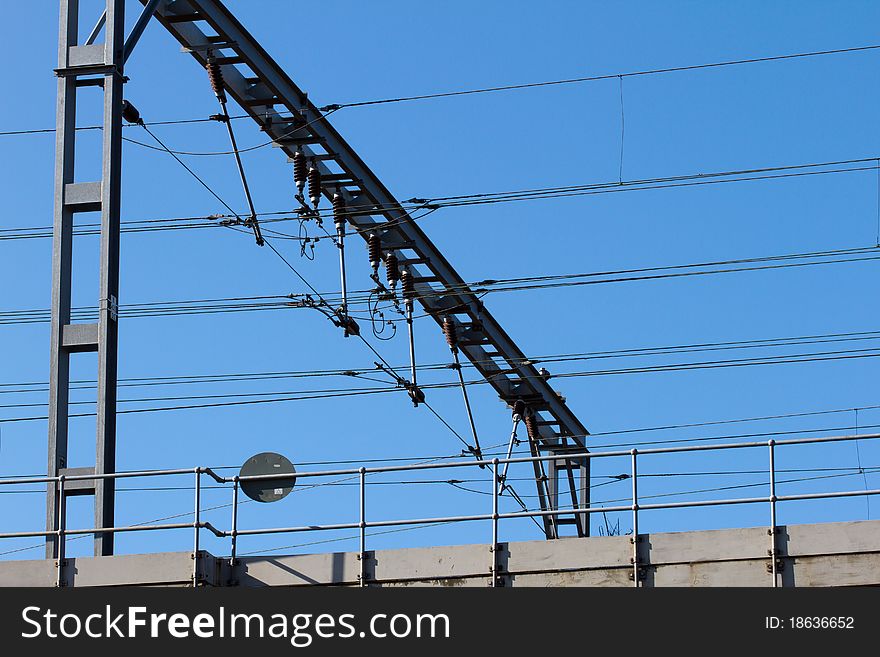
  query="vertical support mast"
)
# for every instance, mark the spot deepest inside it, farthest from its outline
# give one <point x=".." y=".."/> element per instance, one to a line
<point x="83" y="66"/>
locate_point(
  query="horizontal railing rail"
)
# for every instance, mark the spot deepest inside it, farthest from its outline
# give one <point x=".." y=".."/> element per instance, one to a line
<point x="61" y="532"/>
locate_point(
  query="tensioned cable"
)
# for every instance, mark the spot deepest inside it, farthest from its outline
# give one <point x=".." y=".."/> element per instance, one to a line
<point x="530" y="85"/>
<point x="612" y="479"/>
<point x="190" y="171"/>
<point x="485" y="286"/>
<point x="305" y="395"/>
<point x="8" y="133"/>
<point x="714" y="489"/>
<point x="187" y="379"/>
<point x="233" y="152"/>
<point x="30" y="387"/>
<point x="595" y="78"/>
<point x="763" y="360"/>
<point x="209" y="221"/>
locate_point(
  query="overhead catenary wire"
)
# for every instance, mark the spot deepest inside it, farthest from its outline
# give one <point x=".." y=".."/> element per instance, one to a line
<point x="479" y="198"/>
<point x="239" y="151"/>
<point x="236" y="398"/>
<point x="765" y="360"/>
<point x="490" y="449"/>
<point x="512" y="87"/>
<point x="596" y="78"/>
<point x="34" y="131"/>
<point x="35" y="387"/>
<point x="190" y="171"/>
<point x="482" y="287"/>
<point x="678" y="348"/>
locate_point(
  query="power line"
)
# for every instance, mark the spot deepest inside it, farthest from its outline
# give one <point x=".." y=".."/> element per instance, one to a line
<point x="480" y="198"/>
<point x="481" y="287"/>
<point x="650" y="351"/>
<point x="353" y="392"/>
<point x="595" y="78"/>
<point x="530" y="85"/>
<point x="190" y="171"/>
<point x="763" y="360"/>
<point x="9" y="133"/>
<point x="249" y="149"/>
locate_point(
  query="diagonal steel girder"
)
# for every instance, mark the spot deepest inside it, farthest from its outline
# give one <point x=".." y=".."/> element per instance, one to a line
<point x="279" y="106"/>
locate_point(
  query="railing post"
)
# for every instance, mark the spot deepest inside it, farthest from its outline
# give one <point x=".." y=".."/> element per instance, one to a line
<point x="635" y="518"/>
<point x="494" y="549"/>
<point x="234" y="532"/>
<point x="196" y="526"/>
<point x="362" y="550"/>
<point x="772" y="531"/>
<point x="62" y="523"/>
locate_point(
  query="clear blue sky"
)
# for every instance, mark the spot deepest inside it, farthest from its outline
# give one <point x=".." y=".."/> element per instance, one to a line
<point x="760" y="115"/>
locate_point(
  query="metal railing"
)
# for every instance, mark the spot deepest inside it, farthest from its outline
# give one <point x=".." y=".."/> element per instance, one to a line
<point x="61" y="532"/>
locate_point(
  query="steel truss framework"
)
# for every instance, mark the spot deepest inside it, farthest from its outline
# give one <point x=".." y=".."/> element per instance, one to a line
<point x="81" y="66"/>
<point x="206" y="28"/>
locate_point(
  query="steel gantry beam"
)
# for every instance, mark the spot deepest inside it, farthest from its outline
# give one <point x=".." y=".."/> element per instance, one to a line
<point x="86" y="66"/>
<point x="206" y="28"/>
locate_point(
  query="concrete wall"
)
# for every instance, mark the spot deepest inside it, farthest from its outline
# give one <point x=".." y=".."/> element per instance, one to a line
<point x="830" y="554"/>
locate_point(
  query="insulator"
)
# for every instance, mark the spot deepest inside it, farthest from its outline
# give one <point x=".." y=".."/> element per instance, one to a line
<point x="416" y="394"/>
<point x="407" y="285"/>
<point x="392" y="270"/>
<point x="532" y="427"/>
<point x="519" y="408"/>
<point x="300" y="170"/>
<point x="351" y="327"/>
<point x="374" y="249"/>
<point x="314" y="179"/>
<point x="338" y="210"/>
<point x="215" y="77"/>
<point x="130" y="113"/>
<point x="451" y="334"/>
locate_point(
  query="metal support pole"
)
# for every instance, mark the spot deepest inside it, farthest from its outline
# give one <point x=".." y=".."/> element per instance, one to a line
<point x="467" y="405"/>
<point x="72" y="197"/>
<point x="252" y="219"/>
<point x="494" y="548"/>
<point x="635" y="518"/>
<point x="513" y="441"/>
<point x="363" y="527"/>
<point x="412" y="342"/>
<point x="772" y="531"/>
<point x="197" y="521"/>
<point x="62" y="525"/>
<point x="234" y="532"/>
<point x="340" y="244"/>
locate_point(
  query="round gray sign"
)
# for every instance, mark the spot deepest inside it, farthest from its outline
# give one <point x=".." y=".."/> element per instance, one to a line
<point x="267" y="490"/>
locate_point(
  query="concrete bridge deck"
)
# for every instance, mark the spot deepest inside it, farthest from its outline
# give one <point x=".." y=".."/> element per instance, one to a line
<point x="827" y="554"/>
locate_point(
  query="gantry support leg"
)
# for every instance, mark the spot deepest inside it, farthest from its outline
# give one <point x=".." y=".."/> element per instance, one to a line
<point x="85" y="67"/>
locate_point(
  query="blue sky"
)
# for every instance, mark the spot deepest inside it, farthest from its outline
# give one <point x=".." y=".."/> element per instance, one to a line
<point x="760" y="115"/>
